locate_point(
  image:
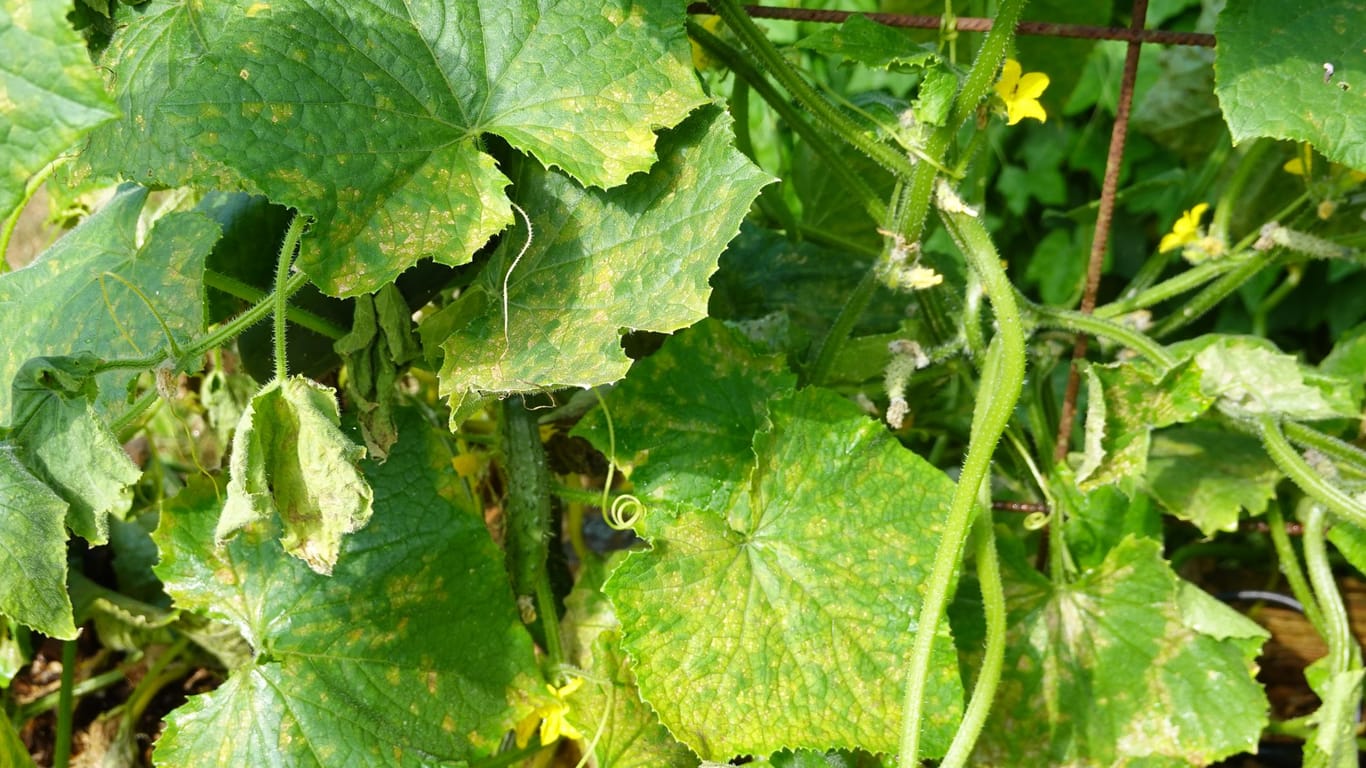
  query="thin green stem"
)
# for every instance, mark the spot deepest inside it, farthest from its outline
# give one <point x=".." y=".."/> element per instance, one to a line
<point x="993" y="658"/>
<point x="1293" y="464"/>
<point x="281" y="308"/>
<point x="61" y="754"/>
<point x="999" y="391"/>
<point x="234" y="327"/>
<point x="509" y="758"/>
<point x="823" y="360"/>
<point x="819" y="142"/>
<point x="550" y="622"/>
<point x="121" y="425"/>
<point x="846" y="129"/>
<point x="1344" y="654"/>
<point x="1213" y="294"/>
<point x="1076" y="322"/>
<point x="31" y="188"/>
<point x="1290" y="567"/>
<point x="1174" y="286"/>
<point x="85" y="687"/>
<point x="297" y="315"/>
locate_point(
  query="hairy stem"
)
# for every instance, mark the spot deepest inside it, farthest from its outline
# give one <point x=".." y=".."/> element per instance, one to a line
<point x="281" y="308"/>
<point x="1002" y="382"/>
<point x="993" y="658"/>
<point x="1293" y="464"/>
<point x="1290" y="566"/>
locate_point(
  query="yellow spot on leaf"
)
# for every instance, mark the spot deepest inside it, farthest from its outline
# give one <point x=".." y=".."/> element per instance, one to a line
<point x="256" y="9"/>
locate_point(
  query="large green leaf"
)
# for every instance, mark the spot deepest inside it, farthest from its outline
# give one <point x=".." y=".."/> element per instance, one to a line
<point x="1272" y="69"/>
<point x="102" y="290"/>
<point x="50" y="95"/>
<point x="691" y="409"/>
<point x="369" y="117"/>
<point x="1208" y="476"/>
<point x="410" y="654"/>
<point x="1124" y="666"/>
<point x="784" y="619"/>
<point x="549" y="312"/>
<point x="293" y="466"/>
<point x="66" y="444"/>
<point x="32" y="550"/>
<point x="619" y="728"/>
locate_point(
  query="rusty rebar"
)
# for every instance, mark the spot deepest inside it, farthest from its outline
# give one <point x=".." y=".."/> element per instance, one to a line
<point x="974" y="24"/>
<point x="1101" y="238"/>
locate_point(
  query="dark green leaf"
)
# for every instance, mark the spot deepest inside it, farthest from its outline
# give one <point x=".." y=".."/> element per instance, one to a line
<point x="1272" y="69"/>
<point x="692" y="410"/>
<point x="867" y="42"/>
<point x="292" y="466"/>
<point x="784" y="619"/>
<point x="409" y="654"/>
<point x="12" y="751"/>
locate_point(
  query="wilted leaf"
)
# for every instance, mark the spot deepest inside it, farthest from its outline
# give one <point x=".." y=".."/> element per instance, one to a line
<point x="292" y="465"/>
<point x="409" y="654"/>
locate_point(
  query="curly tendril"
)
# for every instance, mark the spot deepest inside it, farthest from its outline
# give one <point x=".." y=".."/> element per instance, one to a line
<point x="625" y="510"/>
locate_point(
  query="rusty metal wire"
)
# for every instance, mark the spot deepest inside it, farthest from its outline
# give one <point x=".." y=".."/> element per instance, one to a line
<point x="972" y="24"/>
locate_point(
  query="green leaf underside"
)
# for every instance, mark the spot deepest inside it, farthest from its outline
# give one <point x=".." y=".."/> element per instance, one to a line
<point x="1131" y="401"/>
<point x="292" y="464"/>
<point x="693" y="408"/>
<point x="411" y="653"/>
<point x="607" y="710"/>
<point x="634" y="257"/>
<point x="369" y="118"/>
<point x="1251" y="377"/>
<point x="1271" y="79"/>
<point x="66" y="444"/>
<point x="1122" y="668"/>
<point x="32" y="550"/>
<point x="103" y="287"/>
<point x="1207" y="476"/>
<point x="50" y="96"/>
<point x="784" y="619"/>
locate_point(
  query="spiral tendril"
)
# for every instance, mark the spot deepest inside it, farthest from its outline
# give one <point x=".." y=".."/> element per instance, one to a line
<point x="615" y="512"/>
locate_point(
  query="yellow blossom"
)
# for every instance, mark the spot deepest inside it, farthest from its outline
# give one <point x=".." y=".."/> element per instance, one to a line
<point x="1021" y="92"/>
<point x="1186" y="230"/>
<point x="550" y="717"/>
<point x="918" y="278"/>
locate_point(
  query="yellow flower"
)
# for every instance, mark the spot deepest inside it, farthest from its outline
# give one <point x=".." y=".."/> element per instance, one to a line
<point x="1186" y="230"/>
<point x="1021" y="92"/>
<point x="550" y="717"/>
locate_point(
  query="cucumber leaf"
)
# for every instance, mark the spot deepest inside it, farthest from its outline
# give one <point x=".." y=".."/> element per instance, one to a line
<point x="410" y="654"/>
<point x="783" y="620"/>
<point x="32" y="550"/>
